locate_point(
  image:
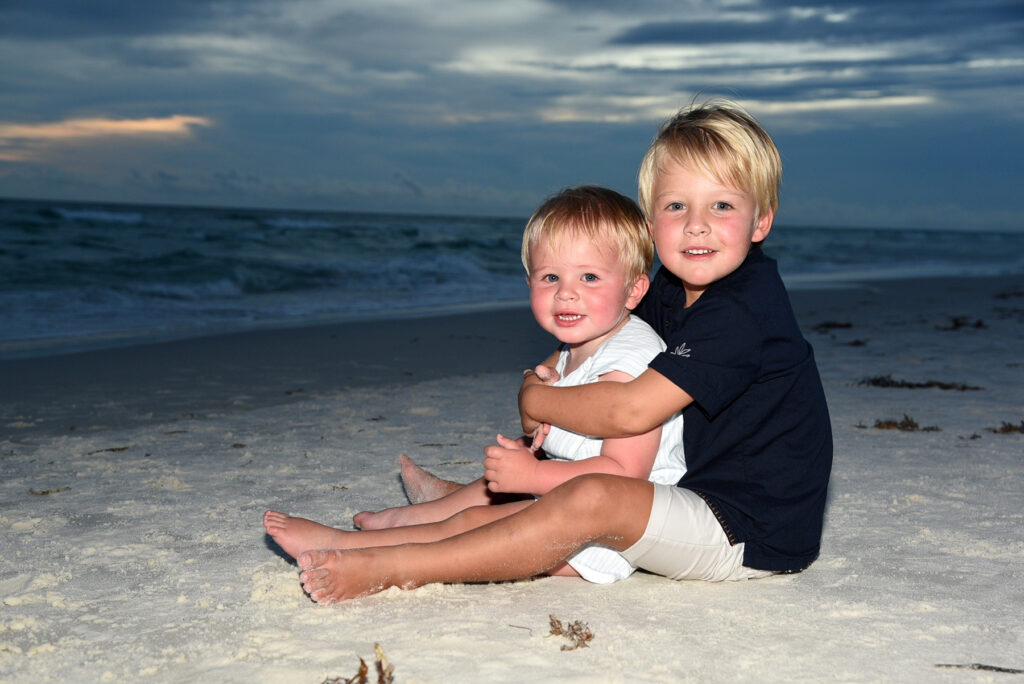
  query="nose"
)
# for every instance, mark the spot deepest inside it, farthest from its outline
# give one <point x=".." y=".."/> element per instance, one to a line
<point x="697" y="224"/>
<point x="566" y="292"/>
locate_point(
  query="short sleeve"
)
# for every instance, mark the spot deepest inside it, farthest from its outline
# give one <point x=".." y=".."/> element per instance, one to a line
<point x="630" y="350"/>
<point x="715" y="355"/>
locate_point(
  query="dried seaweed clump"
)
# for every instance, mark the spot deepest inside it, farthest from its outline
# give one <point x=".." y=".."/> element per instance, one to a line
<point x="44" y="492"/>
<point x="979" y="666"/>
<point x="576" y="632"/>
<point x="889" y="381"/>
<point x="112" y="450"/>
<point x="385" y="671"/>
<point x="826" y="326"/>
<point x="908" y="424"/>
<point x="1008" y="428"/>
<point x="961" y="322"/>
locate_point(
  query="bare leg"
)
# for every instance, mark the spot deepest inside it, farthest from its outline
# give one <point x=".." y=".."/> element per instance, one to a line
<point x="421" y="486"/>
<point x="296" y="535"/>
<point x="532" y="541"/>
<point x="465" y="496"/>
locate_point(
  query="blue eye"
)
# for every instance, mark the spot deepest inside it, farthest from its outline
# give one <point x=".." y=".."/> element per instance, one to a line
<point x="589" y="277"/>
<point x="722" y="206"/>
<point x="675" y="206"/>
<point x="550" y="278"/>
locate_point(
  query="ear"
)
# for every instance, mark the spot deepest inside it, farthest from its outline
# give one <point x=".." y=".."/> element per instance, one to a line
<point x="763" y="226"/>
<point x="637" y="291"/>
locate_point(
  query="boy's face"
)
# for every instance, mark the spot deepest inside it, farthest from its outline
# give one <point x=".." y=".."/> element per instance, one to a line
<point x="702" y="230"/>
<point x="579" y="292"/>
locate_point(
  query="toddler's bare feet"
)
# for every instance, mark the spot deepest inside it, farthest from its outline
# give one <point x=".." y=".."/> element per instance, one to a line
<point x="421" y="486"/>
<point x="382" y="520"/>
<point x="331" y="575"/>
<point x="296" y="535"/>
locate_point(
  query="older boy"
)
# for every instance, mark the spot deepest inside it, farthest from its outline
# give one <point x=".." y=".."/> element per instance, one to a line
<point x="757" y="439"/>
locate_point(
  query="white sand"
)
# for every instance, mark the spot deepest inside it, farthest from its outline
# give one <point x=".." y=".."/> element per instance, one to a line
<point x="131" y="547"/>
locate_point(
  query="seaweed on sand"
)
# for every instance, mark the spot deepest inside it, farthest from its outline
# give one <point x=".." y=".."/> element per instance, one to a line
<point x="889" y="381"/>
<point x="576" y="632"/>
<point x="53" y="490"/>
<point x="112" y="450"/>
<point x="825" y="326"/>
<point x="960" y="322"/>
<point x="979" y="666"/>
<point x="908" y="424"/>
<point x="1008" y="428"/>
<point x="385" y="671"/>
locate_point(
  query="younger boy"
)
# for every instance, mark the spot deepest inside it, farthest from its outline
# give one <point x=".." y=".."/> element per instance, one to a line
<point x="587" y="252"/>
<point x="757" y="439"/>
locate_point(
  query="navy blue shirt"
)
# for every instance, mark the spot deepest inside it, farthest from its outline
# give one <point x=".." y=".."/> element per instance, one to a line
<point x="757" y="436"/>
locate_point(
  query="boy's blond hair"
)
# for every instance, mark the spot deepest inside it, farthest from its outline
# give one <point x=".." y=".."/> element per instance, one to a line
<point x="606" y="218"/>
<point x="719" y="139"/>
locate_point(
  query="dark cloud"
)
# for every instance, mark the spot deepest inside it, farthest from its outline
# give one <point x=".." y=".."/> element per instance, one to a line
<point x="318" y="104"/>
<point x="76" y="19"/>
<point x="142" y="57"/>
<point x="850" y="23"/>
<point x="617" y="7"/>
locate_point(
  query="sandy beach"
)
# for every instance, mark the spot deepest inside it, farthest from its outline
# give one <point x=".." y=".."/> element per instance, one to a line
<point x="134" y="480"/>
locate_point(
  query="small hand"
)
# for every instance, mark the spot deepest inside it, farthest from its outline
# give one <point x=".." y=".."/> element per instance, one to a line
<point x="546" y="374"/>
<point x="541" y="375"/>
<point x="509" y="466"/>
<point x="538" y="437"/>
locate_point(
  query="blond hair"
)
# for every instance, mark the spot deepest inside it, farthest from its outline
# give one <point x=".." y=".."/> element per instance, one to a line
<point x="719" y="139"/>
<point x="603" y="216"/>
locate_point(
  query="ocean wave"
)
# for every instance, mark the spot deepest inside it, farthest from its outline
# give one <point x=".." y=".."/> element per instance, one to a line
<point x="68" y="270"/>
<point x="98" y="216"/>
<point x="296" y="223"/>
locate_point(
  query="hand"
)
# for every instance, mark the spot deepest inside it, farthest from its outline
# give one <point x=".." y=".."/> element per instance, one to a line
<point x="529" y="424"/>
<point x="509" y="466"/>
<point x="546" y="374"/>
<point x="538" y="437"/>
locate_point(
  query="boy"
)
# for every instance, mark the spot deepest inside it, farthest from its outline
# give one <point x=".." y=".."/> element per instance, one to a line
<point x="757" y="440"/>
<point x="587" y="252"/>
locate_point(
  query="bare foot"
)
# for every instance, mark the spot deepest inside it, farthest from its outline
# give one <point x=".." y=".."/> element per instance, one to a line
<point x="331" y="575"/>
<point x="382" y="520"/>
<point x="421" y="486"/>
<point x="296" y="535"/>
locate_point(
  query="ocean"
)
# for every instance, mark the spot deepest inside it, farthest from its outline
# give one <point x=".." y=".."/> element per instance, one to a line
<point x="83" y="275"/>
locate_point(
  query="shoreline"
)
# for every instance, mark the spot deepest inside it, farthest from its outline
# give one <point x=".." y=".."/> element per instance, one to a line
<point x="13" y="350"/>
<point x="153" y="382"/>
<point x="44" y="347"/>
<point x="113" y="388"/>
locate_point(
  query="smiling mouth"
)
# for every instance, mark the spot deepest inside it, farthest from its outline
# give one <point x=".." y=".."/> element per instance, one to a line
<point x="568" y="318"/>
<point x="698" y="252"/>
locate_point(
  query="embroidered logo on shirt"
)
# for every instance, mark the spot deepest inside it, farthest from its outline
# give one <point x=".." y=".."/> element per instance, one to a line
<point x="682" y="350"/>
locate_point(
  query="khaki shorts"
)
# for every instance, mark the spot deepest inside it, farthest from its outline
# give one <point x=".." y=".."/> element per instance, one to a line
<point x="683" y="540"/>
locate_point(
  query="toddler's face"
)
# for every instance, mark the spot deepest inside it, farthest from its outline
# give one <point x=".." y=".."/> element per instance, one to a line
<point x="702" y="229"/>
<point x="578" y="291"/>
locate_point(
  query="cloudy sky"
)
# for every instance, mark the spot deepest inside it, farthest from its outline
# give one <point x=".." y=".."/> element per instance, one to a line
<point x="888" y="113"/>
